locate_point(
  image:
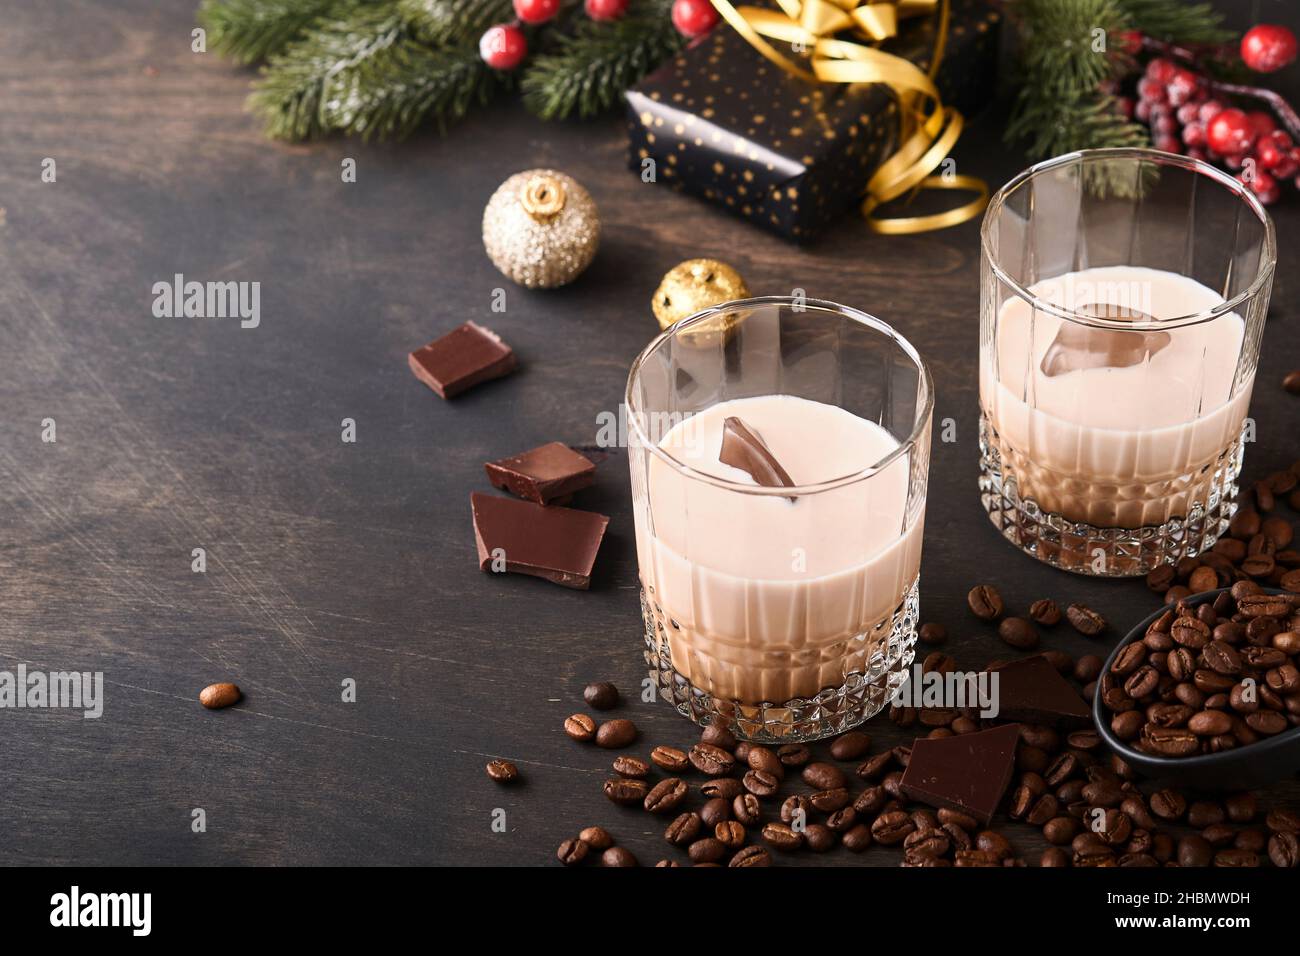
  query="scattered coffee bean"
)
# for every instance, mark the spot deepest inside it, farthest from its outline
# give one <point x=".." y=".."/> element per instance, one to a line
<point x="666" y="795"/>
<point x="572" y="852"/>
<point x="502" y="771"/>
<point x="931" y="633"/>
<point x="824" y="776"/>
<point x="711" y="759"/>
<point x="581" y="727"/>
<point x="730" y="834"/>
<point x="752" y="855"/>
<point x="626" y="792"/>
<point x="747" y="809"/>
<point x="597" y="838"/>
<point x="718" y="736"/>
<point x="819" y="837"/>
<point x="613" y="734"/>
<point x="716" y="810"/>
<point x="217" y="696"/>
<point x="985" y="602"/>
<point x="635" y="767"/>
<point x="601" y="695"/>
<point x="670" y="759"/>
<point x="1045" y="612"/>
<point x="617" y="856"/>
<point x="1018" y="633"/>
<point x="782" y="837"/>
<point x="761" y="783"/>
<point x="706" y="850"/>
<point x="1291" y="382"/>
<point x="794" y="755"/>
<point x="1085" y="620"/>
<point x="850" y="746"/>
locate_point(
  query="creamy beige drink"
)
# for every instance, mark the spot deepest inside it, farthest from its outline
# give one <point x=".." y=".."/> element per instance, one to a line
<point x="1109" y="427"/>
<point x="764" y="596"/>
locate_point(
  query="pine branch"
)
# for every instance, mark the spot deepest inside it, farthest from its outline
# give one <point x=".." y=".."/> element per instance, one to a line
<point x="1180" y="22"/>
<point x="591" y="68"/>
<point x="389" y="95"/>
<point x="290" y="94"/>
<point x="452" y="22"/>
<point x="250" y="31"/>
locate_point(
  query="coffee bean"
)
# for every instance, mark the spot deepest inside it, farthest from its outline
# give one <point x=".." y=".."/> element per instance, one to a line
<point x="626" y="766"/>
<point x="874" y="767"/>
<point x="931" y="843"/>
<point x="1284" y="850"/>
<point x="985" y="602"/>
<point x="616" y="733"/>
<point x="794" y="755"/>
<point x="890" y="829"/>
<point x="1055" y="857"/>
<point x="1087" y="668"/>
<point x="502" y="771"/>
<point x="666" y="795"/>
<point x="857" y="838"/>
<point x="217" y="696"/>
<point x="751" y="856"/>
<point x="711" y="759"/>
<point x="571" y="852"/>
<point x="746" y="809"/>
<point x="1203" y="579"/>
<point x="761" y="783"/>
<point x="1209" y="723"/>
<point x="580" y="727"/>
<point x="1129" y="659"/>
<point x="1283" y="821"/>
<point x="1291" y="382"/>
<point x="718" y="736"/>
<point x="715" y="810"/>
<point x="1085" y="620"/>
<point x="706" y="850"/>
<point x="730" y="834"/>
<point x="1045" y="612"/>
<point x="626" y="792"/>
<point x="1018" y="633"/>
<point x="761" y="758"/>
<point x="1060" y="830"/>
<point x="597" y="838"/>
<point x="617" y="856"/>
<point x="828" y="801"/>
<point x="930" y="633"/>
<point x="782" y="837"/>
<point x="819" y="837"/>
<point x="850" y="746"/>
<point x="1236" y="858"/>
<point x="824" y="776"/>
<point x="601" y="695"/>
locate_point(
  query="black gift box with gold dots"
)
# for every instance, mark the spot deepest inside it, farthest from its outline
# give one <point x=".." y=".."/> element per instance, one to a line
<point x="722" y="122"/>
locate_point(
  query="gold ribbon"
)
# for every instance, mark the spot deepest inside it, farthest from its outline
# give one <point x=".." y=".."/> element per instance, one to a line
<point x="928" y="128"/>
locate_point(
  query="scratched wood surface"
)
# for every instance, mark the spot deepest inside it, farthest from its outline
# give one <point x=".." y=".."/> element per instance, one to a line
<point x="329" y="561"/>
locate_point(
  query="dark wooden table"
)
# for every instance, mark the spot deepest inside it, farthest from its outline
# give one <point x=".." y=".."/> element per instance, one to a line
<point x="329" y="561"/>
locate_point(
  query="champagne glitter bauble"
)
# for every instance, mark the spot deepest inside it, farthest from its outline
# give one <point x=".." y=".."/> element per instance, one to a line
<point x="695" y="285"/>
<point x="541" y="228"/>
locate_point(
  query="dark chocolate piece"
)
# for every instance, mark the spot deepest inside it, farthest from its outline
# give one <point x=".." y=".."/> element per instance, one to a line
<point x="743" y="449"/>
<point x="545" y="474"/>
<point x="1034" y="691"/>
<point x="968" y="772"/>
<point x="1081" y="346"/>
<point x="461" y="359"/>
<point x="558" y="544"/>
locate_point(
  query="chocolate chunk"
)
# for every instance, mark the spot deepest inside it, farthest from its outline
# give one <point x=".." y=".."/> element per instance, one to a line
<point x="461" y="359"/>
<point x="743" y="449"/>
<point x="558" y="544"/>
<point x="545" y="474"/>
<point x="1034" y="691"/>
<point x="968" y="772"/>
<point x="1081" y="346"/>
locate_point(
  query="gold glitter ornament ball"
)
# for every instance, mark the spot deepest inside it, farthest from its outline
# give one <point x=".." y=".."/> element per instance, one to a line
<point x="541" y="228"/>
<point x="695" y="285"/>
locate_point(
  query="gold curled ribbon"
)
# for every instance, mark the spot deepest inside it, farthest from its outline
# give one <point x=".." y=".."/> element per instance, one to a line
<point x="928" y="130"/>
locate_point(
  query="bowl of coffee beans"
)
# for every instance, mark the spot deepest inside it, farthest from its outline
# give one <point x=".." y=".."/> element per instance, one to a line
<point x="1206" y="692"/>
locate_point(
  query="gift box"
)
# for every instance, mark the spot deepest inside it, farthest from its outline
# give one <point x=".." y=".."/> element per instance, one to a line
<point x="722" y="122"/>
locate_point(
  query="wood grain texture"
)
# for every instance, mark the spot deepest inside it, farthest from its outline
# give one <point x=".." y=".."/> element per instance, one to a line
<point x="329" y="561"/>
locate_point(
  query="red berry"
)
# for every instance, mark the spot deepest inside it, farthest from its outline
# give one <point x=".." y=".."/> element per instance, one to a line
<point x="1262" y="185"/>
<point x="1267" y="153"/>
<point x="1234" y="160"/>
<point x="694" y="17"/>
<point x="1261" y="122"/>
<point x="1128" y="41"/>
<point x="1194" y="152"/>
<point x="1268" y="47"/>
<point x="1182" y="87"/>
<point x="1208" y="110"/>
<point x="1189" y="113"/>
<point x="1150" y="90"/>
<point x="1282" y="140"/>
<point x="605" y="9"/>
<point x="1164" y="125"/>
<point x="1161" y="70"/>
<point x="1194" y="134"/>
<point x="1230" y="132"/>
<point x="1124" y="106"/>
<point x="1142" y="111"/>
<point x="536" y="11"/>
<point x="1168" y="144"/>
<point x="503" y="47"/>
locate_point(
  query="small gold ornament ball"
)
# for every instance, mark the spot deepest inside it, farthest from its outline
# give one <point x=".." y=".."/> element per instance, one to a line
<point x="694" y="285"/>
<point x="541" y="228"/>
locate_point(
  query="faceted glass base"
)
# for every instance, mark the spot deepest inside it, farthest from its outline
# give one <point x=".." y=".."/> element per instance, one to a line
<point x="832" y="711"/>
<point x="1109" y="552"/>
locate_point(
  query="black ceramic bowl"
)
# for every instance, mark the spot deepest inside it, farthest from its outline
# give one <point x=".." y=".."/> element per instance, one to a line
<point x="1274" y="758"/>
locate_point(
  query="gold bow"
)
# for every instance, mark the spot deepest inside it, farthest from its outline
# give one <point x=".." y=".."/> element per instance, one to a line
<point x="928" y="128"/>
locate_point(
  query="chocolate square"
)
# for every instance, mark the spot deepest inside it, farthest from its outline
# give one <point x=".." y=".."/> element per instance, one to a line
<point x="548" y="474"/>
<point x="558" y="544"/>
<point x="461" y="359"/>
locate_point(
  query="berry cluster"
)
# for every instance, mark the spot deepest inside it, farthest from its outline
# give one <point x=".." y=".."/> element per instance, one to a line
<point x="505" y="46"/>
<point x="1186" y="117"/>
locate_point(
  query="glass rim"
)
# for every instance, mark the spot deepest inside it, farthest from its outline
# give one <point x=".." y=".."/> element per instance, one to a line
<point x="1262" y="277"/>
<point x="921" y="422"/>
